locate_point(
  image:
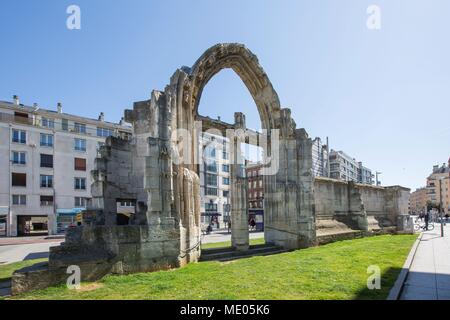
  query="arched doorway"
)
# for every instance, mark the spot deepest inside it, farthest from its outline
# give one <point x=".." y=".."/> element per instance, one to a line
<point x="289" y="190"/>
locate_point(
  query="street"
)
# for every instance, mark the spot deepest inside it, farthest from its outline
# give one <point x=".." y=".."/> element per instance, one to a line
<point x="20" y="249"/>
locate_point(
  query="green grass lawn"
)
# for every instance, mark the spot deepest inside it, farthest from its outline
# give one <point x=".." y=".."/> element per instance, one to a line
<point x="333" y="271"/>
<point x="7" y="270"/>
<point x="226" y="244"/>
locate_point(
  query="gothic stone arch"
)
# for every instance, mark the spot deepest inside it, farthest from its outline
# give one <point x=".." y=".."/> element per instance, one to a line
<point x="289" y="218"/>
<point x="165" y="231"/>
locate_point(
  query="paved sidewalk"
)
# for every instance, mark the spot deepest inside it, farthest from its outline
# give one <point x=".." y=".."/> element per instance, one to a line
<point x="429" y="275"/>
<point x="223" y="235"/>
<point x="9" y="241"/>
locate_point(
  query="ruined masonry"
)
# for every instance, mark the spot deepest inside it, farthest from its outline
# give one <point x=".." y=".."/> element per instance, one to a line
<point x="164" y="232"/>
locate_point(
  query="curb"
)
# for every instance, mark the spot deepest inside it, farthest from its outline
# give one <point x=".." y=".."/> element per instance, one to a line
<point x="396" y="290"/>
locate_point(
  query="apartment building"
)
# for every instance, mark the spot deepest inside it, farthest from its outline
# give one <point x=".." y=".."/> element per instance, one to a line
<point x="438" y="186"/>
<point x="46" y="157"/>
<point x="346" y="168"/>
<point x="365" y="175"/>
<point x="255" y="194"/>
<point x="418" y="201"/>
<point x="215" y="181"/>
<point x="319" y="158"/>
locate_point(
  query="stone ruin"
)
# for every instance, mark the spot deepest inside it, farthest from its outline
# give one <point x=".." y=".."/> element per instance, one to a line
<point x="165" y="232"/>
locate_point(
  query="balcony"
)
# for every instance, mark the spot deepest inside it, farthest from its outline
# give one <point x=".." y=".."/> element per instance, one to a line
<point x="60" y="126"/>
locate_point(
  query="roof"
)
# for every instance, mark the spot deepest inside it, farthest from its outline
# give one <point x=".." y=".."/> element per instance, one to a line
<point x="43" y="111"/>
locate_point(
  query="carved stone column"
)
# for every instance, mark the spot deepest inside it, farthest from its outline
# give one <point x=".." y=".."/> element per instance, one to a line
<point x="239" y="187"/>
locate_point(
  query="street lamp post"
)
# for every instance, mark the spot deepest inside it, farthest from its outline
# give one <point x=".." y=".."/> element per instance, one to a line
<point x="441" y="209"/>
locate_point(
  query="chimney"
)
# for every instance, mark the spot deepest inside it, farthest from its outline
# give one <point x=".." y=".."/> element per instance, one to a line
<point x="101" y="117"/>
<point x="16" y="100"/>
<point x="218" y="118"/>
<point x="121" y="121"/>
<point x="59" y="107"/>
<point x="35" y="105"/>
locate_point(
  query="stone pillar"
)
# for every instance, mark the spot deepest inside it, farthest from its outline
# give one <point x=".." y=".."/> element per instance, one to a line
<point x="239" y="187"/>
<point x="239" y="214"/>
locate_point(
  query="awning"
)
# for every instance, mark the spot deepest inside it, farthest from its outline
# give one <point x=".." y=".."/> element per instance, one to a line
<point x="69" y="212"/>
<point x="4" y="210"/>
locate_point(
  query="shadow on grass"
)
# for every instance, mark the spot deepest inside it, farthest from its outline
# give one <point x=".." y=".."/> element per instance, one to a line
<point x="388" y="279"/>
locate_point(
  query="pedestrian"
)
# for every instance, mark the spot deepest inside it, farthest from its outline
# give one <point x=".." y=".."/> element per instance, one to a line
<point x="252" y="224"/>
<point x="229" y="226"/>
<point x="427" y="219"/>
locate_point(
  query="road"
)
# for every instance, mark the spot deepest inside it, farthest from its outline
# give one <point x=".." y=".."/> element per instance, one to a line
<point x="21" y="252"/>
<point x="20" y="249"/>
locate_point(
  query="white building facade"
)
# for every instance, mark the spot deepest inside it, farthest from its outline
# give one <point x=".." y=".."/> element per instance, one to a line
<point x="319" y="158"/>
<point x="46" y="158"/>
<point x="215" y="180"/>
<point x="343" y="167"/>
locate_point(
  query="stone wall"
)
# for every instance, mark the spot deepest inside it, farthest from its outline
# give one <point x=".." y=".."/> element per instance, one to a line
<point x="346" y="207"/>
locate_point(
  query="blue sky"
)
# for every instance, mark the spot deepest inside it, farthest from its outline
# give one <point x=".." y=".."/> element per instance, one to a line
<point x="381" y="96"/>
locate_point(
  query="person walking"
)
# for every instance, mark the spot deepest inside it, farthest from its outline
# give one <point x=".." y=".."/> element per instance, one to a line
<point x="427" y="219"/>
<point x="252" y="225"/>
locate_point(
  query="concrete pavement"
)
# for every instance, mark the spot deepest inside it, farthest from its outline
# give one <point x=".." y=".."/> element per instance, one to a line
<point x="20" y="249"/>
<point x="223" y="235"/>
<point x="429" y="275"/>
<point x="21" y="252"/>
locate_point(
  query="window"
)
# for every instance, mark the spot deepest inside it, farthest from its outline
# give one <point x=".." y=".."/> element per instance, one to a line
<point x="211" y="166"/>
<point x="80" y="127"/>
<point x="21" y="117"/>
<point x="226" y="181"/>
<point x="46" y="181"/>
<point x="46" y="161"/>
<point x="224" y="155"/>
<point x="80" y="183"/>
<point x="18" y="157"/>
<point x="127" y="203"/>
<point x="80" y="144"/>
<point x="80" y="164"/>
<point x="46" y="140"/>
<point x="19" y="179"/>
<point x="19" y="136"/>
<point x="211" y="179"/>
<point x="46" y="201"/>
<point x="225" y="168"/>
<point x="48" y="123"/>
<point x="210" y="207"/>
<point x="103" y="132"/>
<point x="65" y="124"/>
<point x="211" y="191"/>
<point x="226" y="193"/>
<point x="80" y="202"/>
<point x="19" y="200"/>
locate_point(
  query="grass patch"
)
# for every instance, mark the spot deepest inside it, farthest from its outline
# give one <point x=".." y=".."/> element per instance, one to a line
<point x="7" y="270"/>
<point x="226" y="244"/>
<point x="333" y="271"/>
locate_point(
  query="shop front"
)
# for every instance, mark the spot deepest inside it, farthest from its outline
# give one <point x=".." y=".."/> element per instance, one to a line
<point x="32" y="226"/>
<point x="258" y="217"/>
<point x="3" y="221"/>
<point x="212" y="219"/>
<point x="66" y="218"/>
